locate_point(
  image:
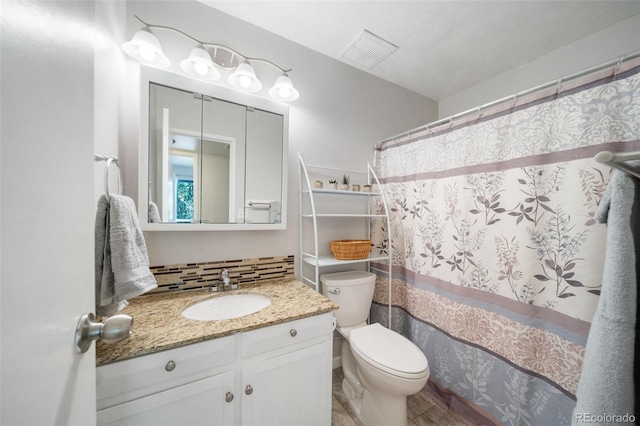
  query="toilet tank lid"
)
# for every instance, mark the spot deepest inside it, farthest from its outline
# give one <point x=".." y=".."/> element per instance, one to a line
<point x="388" y="350"/>
<point x="347" y="278"/>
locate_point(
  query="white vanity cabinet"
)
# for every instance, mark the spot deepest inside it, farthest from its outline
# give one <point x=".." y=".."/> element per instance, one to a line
<point x="286" y="376"/>
<point x="198" y="403"/>
<point x="183" y="386"/>
<point x="277" y="375"/>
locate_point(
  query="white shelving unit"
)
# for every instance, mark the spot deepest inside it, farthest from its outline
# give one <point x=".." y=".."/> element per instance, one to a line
<point x="311" y="198"/>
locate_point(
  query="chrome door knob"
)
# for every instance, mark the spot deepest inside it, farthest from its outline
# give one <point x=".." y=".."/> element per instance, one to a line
<point x="248" y="390"/>
<point x="228" y="397"/>
<point x="111" y="330"/>
<point x="116" y="328"/>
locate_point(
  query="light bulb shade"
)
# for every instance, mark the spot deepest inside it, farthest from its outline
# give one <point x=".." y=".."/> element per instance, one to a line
<point x="283" y="89"/>
<point x="244" y="78"/>
<point x="199" y="64"/>
<point x="145" y="48"/>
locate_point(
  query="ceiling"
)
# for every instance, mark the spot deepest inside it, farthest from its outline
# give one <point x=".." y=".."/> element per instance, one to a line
<point x="444" y="47"/>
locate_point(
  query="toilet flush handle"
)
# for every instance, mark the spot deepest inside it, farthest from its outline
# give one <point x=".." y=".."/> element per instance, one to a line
<point x="334" y="291"/>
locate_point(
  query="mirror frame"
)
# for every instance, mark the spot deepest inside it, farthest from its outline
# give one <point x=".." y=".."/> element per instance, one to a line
<point x="153" y="75"/>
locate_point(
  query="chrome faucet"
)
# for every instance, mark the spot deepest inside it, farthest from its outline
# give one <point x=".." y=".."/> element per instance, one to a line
<point x="225" y="282"/>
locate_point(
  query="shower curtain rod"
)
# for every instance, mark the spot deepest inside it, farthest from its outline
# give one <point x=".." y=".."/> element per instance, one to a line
<point x="617" y="62"/>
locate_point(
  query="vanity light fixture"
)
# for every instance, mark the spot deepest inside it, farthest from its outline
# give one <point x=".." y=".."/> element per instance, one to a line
<point x="199" y="64"/>
<point x="283" y="90"/>
<point x="205" y="59"/>
<point x="244" y="78"/>
<point x="145" y="47"/>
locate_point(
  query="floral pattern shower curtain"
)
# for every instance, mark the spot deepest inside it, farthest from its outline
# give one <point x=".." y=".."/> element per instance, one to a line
<point x="497" y="258"/>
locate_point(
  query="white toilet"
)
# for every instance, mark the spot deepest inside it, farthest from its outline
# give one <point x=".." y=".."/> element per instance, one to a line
<point x="381" y="367"/>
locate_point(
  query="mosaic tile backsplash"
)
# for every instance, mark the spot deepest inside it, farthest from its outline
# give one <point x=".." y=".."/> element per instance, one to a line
<point x="190" y="276"/>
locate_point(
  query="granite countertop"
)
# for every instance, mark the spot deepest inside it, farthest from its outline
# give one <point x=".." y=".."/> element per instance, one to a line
<point x="158" y="324"/>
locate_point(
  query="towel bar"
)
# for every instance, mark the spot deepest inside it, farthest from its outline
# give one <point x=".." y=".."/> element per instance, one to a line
<point x="619" y="161"/>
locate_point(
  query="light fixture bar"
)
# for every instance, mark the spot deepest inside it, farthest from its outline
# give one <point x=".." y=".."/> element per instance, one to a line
<point x="145" y="48"/>
<point x="214" y="45"/>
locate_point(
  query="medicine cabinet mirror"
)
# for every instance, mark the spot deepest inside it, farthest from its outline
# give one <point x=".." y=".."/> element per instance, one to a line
<point x="211" y="158"/>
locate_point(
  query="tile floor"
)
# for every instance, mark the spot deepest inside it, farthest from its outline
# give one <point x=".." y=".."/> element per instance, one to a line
<point x="421" y="410"/>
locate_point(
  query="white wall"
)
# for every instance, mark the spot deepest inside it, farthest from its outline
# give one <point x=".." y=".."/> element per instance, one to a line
<point x="339" y="116"/>
<point x="598" y="48"/>
<point x="109" y="68"/>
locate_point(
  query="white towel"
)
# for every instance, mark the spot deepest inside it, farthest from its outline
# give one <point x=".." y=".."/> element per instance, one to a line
<point x="274" y="212"/>
<point x="122" y="262"/>
<point x="606" y="384"/>
<point x="154" y="213"/>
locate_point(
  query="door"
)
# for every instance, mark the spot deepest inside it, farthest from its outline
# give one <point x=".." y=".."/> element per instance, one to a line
<point x="46" y="212"/>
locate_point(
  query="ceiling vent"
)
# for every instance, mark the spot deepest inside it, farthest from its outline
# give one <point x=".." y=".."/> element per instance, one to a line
<point x="368" y="50"/>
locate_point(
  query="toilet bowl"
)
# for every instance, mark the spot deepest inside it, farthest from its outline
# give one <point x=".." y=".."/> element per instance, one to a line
<point x="381" y="367"/>
<point x="391" y="368"/>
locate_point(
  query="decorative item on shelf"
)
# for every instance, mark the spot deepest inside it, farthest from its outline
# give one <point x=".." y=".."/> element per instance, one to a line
<point x="318" y="184"/>
<point x="205" y="59"/>
<point x="333" y="184"/>
<point x="350" y="249"/>
<point x="366" y="188"/>
<point x="356" y="187"/>
<point x="345" y="182"/>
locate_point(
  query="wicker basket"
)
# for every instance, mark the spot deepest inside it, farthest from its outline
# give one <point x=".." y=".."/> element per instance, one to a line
<point x="350" y="249"/>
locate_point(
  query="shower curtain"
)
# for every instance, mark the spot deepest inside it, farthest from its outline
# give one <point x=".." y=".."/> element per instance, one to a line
<point x="497" y="257"/>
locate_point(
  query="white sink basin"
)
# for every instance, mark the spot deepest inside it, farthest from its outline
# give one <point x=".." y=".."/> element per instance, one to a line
<point x="226" y="307"/>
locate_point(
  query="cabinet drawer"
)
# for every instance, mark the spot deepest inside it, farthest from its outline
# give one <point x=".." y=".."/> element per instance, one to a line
<point x="198" y="403"/>
<point x="288" y="333"/>
<point x="141" y="376"/>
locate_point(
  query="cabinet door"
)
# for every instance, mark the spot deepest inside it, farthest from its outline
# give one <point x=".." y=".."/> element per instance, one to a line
<point x="292" y="389"/>
<point x="199" y="403"/>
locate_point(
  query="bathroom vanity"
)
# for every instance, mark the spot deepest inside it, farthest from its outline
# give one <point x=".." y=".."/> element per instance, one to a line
<point x="272" y="367"/>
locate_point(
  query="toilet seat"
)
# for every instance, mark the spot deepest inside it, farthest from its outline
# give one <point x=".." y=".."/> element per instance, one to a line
<point x="389" y="351"/>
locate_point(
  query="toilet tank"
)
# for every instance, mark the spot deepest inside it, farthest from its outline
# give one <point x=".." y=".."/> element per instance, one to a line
<point x="353" y="292"/>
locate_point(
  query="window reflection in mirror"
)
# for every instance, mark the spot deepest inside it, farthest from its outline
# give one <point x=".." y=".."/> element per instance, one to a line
<point x="212" y="161"/>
